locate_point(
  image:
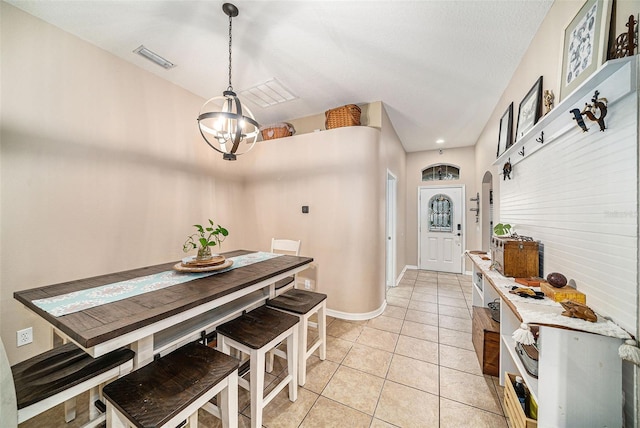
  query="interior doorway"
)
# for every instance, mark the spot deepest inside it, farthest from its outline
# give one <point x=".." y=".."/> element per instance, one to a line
<point x="441" y="228"/>
<point x="390" y="236"/>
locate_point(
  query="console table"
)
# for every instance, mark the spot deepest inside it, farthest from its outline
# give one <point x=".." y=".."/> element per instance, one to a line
<point x="579" y="382"/>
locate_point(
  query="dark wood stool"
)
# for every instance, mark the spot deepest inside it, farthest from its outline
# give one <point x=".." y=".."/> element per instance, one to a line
<point x="304" y="304"/>
<point x="171" y="389"/>
<point x="255" y="333"/>
<point x="60" y="374"/>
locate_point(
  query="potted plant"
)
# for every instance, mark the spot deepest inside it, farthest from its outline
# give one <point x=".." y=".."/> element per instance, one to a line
<point x="502" y="229"/>
<point x="204" y="239"/>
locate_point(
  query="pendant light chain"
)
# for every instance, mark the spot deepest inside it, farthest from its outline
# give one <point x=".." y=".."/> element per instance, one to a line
<point x="230" y="87"/>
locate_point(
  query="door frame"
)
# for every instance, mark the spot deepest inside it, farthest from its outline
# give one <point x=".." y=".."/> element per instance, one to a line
<point x="463" y="218"/>
<point x="391" y="223"/>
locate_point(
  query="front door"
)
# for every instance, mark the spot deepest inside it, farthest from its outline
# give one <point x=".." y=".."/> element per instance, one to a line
<point x="441" y="228"/>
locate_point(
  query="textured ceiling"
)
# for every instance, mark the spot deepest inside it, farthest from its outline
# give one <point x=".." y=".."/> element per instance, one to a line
<point x="439" y="67"/>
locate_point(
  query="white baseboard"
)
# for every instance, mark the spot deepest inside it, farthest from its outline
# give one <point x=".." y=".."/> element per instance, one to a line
<point x="357" y="317"/>
<point x="411" y="267"/>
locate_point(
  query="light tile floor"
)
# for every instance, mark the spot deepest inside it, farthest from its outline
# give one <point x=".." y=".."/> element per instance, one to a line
<point x="413" y="366"/>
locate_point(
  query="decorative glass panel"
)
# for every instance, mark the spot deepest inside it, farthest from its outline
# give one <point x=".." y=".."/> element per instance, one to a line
<point x="441" y="172"/>
<point x="440" y="214"/>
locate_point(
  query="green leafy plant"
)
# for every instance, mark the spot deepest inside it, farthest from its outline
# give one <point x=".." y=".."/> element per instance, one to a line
<point x="501" y="229"/>
<point x="205" y="238"/>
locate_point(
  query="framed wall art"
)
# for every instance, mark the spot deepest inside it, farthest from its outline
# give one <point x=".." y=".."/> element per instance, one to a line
<point x="505" y="135"/>
<point x="530" y="109"/>
<point x="585" y="44"/>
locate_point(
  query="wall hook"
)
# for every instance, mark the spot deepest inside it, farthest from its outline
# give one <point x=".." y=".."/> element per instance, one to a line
<point x="540" y="139"/>
<point x="521" y="152"/>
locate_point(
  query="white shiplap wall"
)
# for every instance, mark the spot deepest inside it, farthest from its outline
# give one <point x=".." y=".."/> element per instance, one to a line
<point x="578" y="196"/>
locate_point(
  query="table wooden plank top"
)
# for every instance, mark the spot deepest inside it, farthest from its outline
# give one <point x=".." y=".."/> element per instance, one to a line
<point x="99" y="324"/>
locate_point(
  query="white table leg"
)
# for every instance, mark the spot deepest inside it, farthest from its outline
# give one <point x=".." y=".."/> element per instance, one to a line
<point x="144" y="351"/>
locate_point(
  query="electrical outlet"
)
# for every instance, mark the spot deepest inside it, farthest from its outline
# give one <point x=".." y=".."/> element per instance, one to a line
<point x="25" y="336"/>
<point x="307" y="284"/>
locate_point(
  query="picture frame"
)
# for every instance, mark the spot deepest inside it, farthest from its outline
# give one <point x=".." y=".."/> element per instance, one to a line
<point x="585" y="44"/>
<point x="530" y="109"/>
<point x="505" y="133"/>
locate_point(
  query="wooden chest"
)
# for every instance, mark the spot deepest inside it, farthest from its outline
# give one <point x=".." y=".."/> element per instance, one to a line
<point x="515" y="258"/>
<point x="486" y="340"/>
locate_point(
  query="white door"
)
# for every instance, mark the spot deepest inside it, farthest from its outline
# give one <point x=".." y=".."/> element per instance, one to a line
<point x="391" y="231"/>
<point x="441" y="228"/>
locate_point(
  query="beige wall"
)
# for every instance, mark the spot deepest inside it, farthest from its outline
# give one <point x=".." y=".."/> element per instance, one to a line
<point x="102" y="169"/>
<point x="416" y="162"/>
<point x="101" y="166"/>
<point x="336" y="174"/>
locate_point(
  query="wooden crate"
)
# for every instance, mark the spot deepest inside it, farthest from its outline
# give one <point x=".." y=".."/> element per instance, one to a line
<point x="486" y="340"/>
<point x="512" y="406"/>
<point x="564" y="293"/>
<point x="515" y="258"/>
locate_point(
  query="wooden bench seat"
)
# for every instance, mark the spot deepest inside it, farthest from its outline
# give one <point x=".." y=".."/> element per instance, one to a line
<point x="171" y="389"/>
<point x="60" y="374"/>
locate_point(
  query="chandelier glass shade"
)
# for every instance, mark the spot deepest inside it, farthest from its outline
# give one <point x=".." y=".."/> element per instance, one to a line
<point x="225" y="124"/>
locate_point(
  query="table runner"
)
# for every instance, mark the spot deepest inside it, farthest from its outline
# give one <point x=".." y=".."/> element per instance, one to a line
<point x="84" y="299"/>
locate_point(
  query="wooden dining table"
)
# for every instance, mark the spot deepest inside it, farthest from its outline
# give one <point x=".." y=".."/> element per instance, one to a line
<point x="163" y="319"/>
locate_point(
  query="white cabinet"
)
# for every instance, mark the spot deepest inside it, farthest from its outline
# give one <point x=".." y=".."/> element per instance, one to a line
<point x="580" y="374"/>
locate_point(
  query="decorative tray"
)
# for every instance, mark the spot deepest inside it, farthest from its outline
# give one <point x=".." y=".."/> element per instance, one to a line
<point x="202" y="265"/>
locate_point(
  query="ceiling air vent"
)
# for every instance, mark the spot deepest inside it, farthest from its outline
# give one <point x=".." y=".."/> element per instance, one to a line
<point x="152" y="56"/>
<point x="267" y="94"/>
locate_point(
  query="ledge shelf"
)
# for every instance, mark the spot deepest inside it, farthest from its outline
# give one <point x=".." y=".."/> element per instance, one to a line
<point x="613" y="80"/>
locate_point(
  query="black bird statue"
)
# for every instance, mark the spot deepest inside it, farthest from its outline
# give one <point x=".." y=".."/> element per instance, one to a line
<point x="577" y="116"/>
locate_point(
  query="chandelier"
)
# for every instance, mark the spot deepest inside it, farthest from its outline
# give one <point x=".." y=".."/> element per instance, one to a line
<point x="225" y="124"/>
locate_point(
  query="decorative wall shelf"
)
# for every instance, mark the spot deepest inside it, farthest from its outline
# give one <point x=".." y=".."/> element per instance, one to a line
<point x="614" y="80"/>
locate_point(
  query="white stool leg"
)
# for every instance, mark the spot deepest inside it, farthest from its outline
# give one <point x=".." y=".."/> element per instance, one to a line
<point x="193" y="420"/>
<point x="94" y="394"/>
<point x="70" y="409"/>
<point x="322" y="330"/>
<point x="269" y="361"/>
<point x="228" y="402"/>
<point x="292" y="364"/>
<point x="115" y="419"/>
<point x="302" y="350"/>
<point x="256" y="376"/>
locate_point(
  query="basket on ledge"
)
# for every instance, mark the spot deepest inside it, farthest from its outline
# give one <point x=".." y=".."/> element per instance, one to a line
<point x="348" y="115"/>
<point x="277" y="130"/>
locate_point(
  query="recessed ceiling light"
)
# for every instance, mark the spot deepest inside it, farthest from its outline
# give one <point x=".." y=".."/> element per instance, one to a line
<point x="439" y="141"/>
<point x="154" y="57"/>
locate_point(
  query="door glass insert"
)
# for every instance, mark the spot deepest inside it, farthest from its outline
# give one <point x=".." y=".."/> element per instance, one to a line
<point x="440" y="214"/>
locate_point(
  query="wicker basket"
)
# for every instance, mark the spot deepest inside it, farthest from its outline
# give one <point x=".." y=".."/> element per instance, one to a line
<point x="277" y="130"/>
<point x="348" y="115"/>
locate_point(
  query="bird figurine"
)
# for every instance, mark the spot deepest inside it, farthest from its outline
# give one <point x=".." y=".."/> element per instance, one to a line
<point x="577" y="116"/>
<point x="578" y="310"/>
<point x="590" y="110"/>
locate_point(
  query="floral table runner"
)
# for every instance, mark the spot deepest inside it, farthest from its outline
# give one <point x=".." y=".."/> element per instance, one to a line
<point x="84" y="299"/>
